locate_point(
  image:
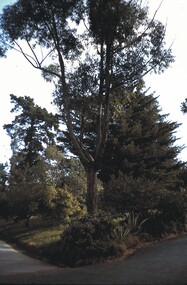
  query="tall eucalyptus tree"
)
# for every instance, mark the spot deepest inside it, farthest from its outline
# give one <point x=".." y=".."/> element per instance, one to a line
<point x="94" y="49"/>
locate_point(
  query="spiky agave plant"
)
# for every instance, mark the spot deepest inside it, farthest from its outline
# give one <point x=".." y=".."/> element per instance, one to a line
<point x="129" y="224"/>
<point x="132" y="223"/>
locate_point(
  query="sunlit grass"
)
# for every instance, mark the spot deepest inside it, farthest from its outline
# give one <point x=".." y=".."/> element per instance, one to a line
<point x="41" y="239"/>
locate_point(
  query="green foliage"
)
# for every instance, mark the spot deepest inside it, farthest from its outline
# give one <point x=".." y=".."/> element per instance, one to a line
<point x="31" y="133"/>
<point x="165" y="209"/>
<point x="55" y="166"/>
<point x="88" y="240"/>
<point x="32" y="200"/>
<point x="105" y="16"/>
<point x="75" y="179"/>
<point x="3" y="177"/>
<point x="24" y="202"/>
<point x="169" y="215"/>
<point x="4" y="206"/>
<point x="64" y="206"/>
<point x="132" y="223"/>
<point x="29" y="190"/>
<point x="31" y="130"/>
<point x="128" y="225"/>
<point x="40" y="240"/>
<point x="141" y="142"/>
<point x="126" y="194"/>
<point x="94" y="238"/>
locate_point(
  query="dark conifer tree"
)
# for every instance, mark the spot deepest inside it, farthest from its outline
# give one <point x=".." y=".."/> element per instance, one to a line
<point x="31" y="132"/>
<point x="3" y="177"/>
<point x="142" y="143"/>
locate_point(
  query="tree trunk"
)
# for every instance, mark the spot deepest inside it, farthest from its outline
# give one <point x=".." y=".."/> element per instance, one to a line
<point x="27" y="221"/>
<point x="91" y="191"/>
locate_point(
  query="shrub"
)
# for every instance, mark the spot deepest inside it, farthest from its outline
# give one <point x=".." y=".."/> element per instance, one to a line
<point x="65" y="206"/>
<point x="88" y="240"/>
<point x="165" y="208"/>
<point x="169" y="215"/>
<point x="126" y="193"/>
<point x="4" y="206"/>
<point x="130" y="223"/>
<point x="61" y="205"/>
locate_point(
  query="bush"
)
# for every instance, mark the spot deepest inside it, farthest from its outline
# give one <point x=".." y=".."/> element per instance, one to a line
<point x="130" y="223"/>
<point x="165" y="209"/>
<point x="60" y="204"/>
<point x="65" y="206"/>
<point x="89" y="240"/>
<point x="4" y="206"/>
<point x="159" y="226"/>
<point x="169" y="215"/>
<point x="128" y="194"/>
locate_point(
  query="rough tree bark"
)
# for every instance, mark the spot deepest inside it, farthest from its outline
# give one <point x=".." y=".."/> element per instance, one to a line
<point x="91" y="190"/>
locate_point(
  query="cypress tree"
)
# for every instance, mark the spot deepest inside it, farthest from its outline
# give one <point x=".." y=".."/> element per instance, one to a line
<point x="142" y="142"/>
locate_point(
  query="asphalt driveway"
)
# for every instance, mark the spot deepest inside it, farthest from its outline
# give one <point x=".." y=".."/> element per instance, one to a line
<point x="162" y="263"/>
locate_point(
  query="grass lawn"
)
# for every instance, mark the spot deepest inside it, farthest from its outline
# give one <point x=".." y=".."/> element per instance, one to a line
<point x="41" y="239"/>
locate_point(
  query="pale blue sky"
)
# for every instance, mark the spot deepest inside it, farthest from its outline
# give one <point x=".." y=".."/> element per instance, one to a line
<point x="19" y="78"/>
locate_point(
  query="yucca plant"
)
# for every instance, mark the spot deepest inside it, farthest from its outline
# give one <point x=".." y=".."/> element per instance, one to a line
<point x="119" y="231"/>
<point x="132" y="223"/>
<point x="128" y="224"/>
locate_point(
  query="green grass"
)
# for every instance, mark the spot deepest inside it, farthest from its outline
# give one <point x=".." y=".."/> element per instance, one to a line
<point x="41" y="239"/>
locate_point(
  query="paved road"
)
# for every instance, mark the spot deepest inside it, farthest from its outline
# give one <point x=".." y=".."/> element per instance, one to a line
<point x="162" y="263"/>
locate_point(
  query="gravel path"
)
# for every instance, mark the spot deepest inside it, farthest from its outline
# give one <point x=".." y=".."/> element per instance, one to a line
<point x="162" y="263"/>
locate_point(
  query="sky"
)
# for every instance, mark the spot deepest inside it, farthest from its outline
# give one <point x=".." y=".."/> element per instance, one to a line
<point x="18" y="77"/>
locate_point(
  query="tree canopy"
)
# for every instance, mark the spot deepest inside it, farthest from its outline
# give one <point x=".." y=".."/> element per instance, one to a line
<point x="142" y="143"/>
<point x="31" y="130"/>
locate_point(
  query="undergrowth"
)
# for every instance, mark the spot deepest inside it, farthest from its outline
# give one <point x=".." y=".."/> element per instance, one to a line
<point x="87" y="241"/>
